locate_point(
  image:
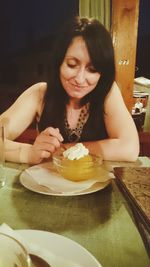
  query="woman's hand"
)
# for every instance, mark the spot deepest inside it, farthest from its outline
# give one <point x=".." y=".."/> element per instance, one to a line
<point x="45" y="144"/>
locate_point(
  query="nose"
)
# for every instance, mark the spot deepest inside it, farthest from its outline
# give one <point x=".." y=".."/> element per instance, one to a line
<point x="80" y="76"/>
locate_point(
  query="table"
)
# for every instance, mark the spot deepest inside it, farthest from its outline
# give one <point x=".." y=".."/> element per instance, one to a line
<point x="102" y="222"/>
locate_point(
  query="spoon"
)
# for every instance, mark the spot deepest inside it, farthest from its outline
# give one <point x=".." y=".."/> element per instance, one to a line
<point x="38" y="261"/>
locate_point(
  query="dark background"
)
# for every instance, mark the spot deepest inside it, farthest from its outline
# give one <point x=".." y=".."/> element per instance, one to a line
<point x="27" y="31"/>
<point x="26" y="22"/>
<point x="143" y="41"/>
<point x="28" y="28"/>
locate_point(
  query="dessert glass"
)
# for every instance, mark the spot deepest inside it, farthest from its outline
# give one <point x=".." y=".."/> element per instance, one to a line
<point x="77" y="169"/>
<point x="13" y="253"/>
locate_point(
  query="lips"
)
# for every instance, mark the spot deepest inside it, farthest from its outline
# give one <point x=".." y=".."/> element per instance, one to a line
<point x="78" y="86"/>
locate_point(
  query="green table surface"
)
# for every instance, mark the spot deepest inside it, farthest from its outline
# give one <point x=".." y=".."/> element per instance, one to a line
<point x="102" y="222"/>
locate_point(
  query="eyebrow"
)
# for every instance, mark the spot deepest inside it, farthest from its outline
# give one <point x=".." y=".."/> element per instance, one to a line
<point x="71" y="57"/>
<point x="78" y="60"/>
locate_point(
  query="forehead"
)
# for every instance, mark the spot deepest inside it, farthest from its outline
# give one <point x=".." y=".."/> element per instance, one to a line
<point x="78" y="49"/>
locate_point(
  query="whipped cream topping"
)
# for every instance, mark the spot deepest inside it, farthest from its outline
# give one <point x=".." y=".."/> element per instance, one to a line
<point x="76" y="152"/>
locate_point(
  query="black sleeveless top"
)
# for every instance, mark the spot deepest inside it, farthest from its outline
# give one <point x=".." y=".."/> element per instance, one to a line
<point x="93" y="130"/>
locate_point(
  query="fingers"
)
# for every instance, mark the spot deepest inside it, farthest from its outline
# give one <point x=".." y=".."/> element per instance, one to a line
<point x="36" y="156"/>
<point x="45" y="155"/>
<point x="50" y="138"/>
<point x="54" y="132"/>
<point x="46" y="143"/>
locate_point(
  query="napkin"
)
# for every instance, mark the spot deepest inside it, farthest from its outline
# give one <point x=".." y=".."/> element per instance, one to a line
<point x="45" y="174"/>
<point x="51" y="258"/>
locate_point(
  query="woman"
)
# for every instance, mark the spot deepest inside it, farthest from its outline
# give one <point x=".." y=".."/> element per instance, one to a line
<point x="80" y="103"/>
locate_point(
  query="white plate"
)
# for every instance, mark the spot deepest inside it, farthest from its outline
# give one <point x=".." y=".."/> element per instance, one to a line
<point x="59" y="245"/>
<point x="30" y="183"/>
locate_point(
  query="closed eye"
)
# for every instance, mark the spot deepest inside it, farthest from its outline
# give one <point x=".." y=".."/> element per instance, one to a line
<point x="91" y="69"/>
<point x="71" y="65"/>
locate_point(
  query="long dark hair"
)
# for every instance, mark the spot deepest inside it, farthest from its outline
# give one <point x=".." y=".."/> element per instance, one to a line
<point x="100" y="48"/>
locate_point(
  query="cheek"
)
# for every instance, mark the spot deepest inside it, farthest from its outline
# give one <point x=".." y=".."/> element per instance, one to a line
<point x="94" y="78"/>
<point x="65" y="72"/>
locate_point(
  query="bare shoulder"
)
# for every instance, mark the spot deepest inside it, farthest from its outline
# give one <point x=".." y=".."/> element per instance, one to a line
<point x="114" y="100"/>
<point x="33" y="95"/>
<point x="37" y="90"/>
<point x="29" y="103"/>
<point x="114" y="91"/>
<point x="117" y="117"/>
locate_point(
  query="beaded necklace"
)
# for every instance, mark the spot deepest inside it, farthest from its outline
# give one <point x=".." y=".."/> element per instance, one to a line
<point x="75" y="134"/>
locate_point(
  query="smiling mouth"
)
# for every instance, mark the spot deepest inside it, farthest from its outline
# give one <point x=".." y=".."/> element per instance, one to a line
<point x="78" y="86"/>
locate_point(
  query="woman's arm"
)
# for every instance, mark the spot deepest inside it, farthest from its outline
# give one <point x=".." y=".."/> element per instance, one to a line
<point x="123" y="142"/>
<point x="45" y="144"/>
<point x="18" y="117"/>
<point x="24" y="110"/>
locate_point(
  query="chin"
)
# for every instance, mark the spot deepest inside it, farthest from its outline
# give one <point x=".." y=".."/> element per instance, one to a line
<point x="77" y="95"/>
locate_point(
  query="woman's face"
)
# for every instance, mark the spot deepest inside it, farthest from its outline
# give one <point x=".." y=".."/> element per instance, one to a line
<point x="77" y="74"/>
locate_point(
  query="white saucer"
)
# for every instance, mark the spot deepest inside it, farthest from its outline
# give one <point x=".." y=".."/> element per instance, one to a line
<point x="30" y="183"/>
<point x="65" y="249"/>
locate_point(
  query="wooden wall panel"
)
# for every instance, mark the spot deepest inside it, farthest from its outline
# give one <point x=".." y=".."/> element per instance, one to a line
<point x="124" y="33"/>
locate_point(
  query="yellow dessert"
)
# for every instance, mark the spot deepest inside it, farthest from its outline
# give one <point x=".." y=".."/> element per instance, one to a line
<point x="76" y="163"/>
<point x="77" y="169"/>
